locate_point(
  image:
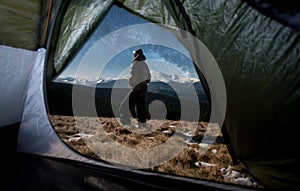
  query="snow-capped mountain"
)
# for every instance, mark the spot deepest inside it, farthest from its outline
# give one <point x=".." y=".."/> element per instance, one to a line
<point x="162" y="77"/>
<point x="160" y="83"/>
<point x="155" y="77"/>
<point x="85" y="82"/>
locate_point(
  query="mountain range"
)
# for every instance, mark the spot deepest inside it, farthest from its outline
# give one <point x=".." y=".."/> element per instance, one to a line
<point x="160" y="83"/>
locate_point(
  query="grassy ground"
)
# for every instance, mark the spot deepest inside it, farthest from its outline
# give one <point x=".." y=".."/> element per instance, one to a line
<point x="197" y="160"/>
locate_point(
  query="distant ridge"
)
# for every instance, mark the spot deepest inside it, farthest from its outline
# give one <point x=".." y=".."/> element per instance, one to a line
<point x="160" y="82"/>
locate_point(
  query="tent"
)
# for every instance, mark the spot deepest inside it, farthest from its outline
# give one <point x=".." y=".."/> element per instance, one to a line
<point x="255" y="43"/>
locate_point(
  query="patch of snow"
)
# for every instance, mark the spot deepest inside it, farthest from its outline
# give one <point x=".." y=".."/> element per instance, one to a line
<point x="203" y="145"/>
<point x="83" y="135"/>
<point x="203" y="164"/>
<point x="169" y="131"/>
<point x="76" y="137"/>
<point x="236" y="177"/>
<point x="190" y="141"/>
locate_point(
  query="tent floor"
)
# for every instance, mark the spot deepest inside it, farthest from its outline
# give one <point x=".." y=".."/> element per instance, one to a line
<point x="33" y="172"/>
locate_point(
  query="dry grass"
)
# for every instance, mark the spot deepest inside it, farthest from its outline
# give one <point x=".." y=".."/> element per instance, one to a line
<point x="186" y="163"/>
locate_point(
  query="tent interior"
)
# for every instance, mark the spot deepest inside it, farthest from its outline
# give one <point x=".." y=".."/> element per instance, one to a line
<point x="244" y="53"/>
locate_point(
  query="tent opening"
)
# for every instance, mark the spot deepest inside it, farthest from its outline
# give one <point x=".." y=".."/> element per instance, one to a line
<point x="84" y="99"/>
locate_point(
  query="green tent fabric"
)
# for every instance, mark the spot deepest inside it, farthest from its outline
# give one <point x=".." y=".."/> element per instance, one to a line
<point x="79" y="20"/>
<point x="23" y="23"/>
<point x="258" y="57"/>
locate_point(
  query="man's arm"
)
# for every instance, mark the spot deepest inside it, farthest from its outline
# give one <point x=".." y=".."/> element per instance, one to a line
<point x="149" y="75"/>
<point x="133" y="75"/>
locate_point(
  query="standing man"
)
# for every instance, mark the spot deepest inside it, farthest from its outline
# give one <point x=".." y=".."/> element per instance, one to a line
<point x="136" y="100"/>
